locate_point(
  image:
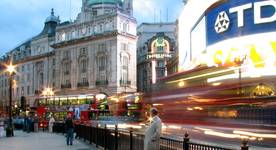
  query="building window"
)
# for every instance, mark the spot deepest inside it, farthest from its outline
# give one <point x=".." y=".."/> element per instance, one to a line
<point x="160" y="64"/>
<point x="84" y="80"/>
<point x="41" y="79"/>
<point x="66" y="68"/>
<point x="63" y="36"/>
<point x="66" y="54"/>
<point x="125" y="69"/>
<point x="102" y="63"/>
<point x="124" y="46"/>
<point x="28" y="77"/>
<point x="29" y="67"/>
<point x="67" y="82"/>
<point x="125" y="27"/>
<point x="94" y="13"/>
<point x="83" y="51"/>
<point x="17" y="91"/>
<point x="83" y="66"/>
<point x="28" y="90"/>
<point x="23" y="68"/>
<point x="54" y="73"/>
<point x="54" y="62"/>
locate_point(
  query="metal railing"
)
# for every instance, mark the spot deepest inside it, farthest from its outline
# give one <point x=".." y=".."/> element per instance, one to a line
<point x="114" y="139"/>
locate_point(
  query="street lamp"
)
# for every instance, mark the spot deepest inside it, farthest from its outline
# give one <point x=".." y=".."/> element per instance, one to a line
<point x="11" y="71"/>
<point x="239" y="61"/>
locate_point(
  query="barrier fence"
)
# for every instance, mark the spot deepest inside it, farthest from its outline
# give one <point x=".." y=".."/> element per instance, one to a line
<point x="114" y="139"/>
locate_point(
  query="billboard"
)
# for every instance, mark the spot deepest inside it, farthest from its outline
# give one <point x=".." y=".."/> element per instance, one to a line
<point x="234" y="18"/>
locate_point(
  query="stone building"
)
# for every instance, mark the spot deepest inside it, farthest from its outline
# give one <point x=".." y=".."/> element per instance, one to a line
<point x="94" y="54"/>
<point x="156" y="46"/>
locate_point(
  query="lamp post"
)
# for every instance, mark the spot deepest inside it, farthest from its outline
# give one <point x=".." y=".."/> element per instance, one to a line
<point x="11" y="70"/>
<point x="239" y="61"/>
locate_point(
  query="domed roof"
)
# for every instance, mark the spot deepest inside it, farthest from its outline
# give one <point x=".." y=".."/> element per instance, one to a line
<point x="52" y="17"/>
<point x="94" y="2"/>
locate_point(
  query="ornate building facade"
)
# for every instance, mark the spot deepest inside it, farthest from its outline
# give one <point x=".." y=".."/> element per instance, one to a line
<point x="156" y="46"/>
<point x="94" y="54"/>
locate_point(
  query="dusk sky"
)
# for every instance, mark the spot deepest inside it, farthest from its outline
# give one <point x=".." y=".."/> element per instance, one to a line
<point x="23" y="19"/>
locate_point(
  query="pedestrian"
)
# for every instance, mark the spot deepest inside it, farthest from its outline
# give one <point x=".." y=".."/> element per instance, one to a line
<point x="36" y="123"/>
<point x="25" y="123"/>
<point x="69" y="126"/>
<point x="1" y="126"/>
<point x="29" y="124"/>
<point x="51" y="124"/>
<point x="153" y="132"/>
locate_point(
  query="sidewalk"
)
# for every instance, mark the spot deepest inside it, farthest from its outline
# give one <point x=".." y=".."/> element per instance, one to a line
<point x="41" y="141"/>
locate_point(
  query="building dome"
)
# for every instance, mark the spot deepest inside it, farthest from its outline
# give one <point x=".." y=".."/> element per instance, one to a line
<point x="95" y="2"/>
<point x="52" y="17"/>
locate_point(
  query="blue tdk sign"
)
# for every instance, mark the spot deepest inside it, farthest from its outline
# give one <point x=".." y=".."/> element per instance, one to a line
<point x="235" y="18"/>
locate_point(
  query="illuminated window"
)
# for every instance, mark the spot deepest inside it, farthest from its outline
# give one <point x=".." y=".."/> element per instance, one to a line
<point x="63" y="36"/>
<point x="160" y="44"/>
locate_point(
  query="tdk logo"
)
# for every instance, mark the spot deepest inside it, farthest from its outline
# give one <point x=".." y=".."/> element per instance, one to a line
<point x="222" y="22"/>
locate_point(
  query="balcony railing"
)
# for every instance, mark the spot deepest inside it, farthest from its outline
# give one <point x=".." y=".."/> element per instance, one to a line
<point x="83" y="84"/>
<point x="101" y="82"/>
<point x="66" y="86"/>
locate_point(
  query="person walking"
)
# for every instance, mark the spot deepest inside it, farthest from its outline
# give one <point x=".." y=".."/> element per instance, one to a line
<point x="51" y="124"/>
<point x="153" y="132"/>
<point x="35" y="123"/>
<point x="69" y="126"/>
<point x="1" y="126"/>
<point x="29" y="124"/>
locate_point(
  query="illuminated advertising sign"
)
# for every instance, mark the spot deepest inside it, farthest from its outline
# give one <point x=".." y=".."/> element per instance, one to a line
<point x="235" y="18"/>
<point x="159" y="56"/>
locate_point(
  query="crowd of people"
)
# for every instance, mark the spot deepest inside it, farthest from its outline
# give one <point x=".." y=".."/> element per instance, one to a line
<point x="31" y="123"/>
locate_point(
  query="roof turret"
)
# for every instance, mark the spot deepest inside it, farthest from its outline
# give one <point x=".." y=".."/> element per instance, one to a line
<point x="52" y="17"/>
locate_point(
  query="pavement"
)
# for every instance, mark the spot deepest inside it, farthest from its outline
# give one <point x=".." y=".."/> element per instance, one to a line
<point x="41" y="141"/>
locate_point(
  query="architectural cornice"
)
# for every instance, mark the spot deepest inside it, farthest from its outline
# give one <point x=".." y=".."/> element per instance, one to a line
<point x="32" y="58"/>
<point x="92" y="37"/>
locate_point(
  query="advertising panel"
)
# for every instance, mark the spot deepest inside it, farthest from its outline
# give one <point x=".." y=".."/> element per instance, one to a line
<point x="234" y="18"/>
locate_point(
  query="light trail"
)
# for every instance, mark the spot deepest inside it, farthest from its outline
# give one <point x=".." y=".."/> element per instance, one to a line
<point x="255" y="134"/>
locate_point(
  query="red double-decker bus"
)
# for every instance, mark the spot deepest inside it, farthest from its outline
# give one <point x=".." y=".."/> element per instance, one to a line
<point x="215" y="96"/>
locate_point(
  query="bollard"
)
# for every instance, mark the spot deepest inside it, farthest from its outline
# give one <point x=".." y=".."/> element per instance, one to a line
<point x="131" y="138"/>
<point x="105" y="137"/>
<point x="244" y="145"/>
<point x="90" y="134"/>
<point x="116" y="137"/>
<point x="186" y="141"/>
<point x="97" y="125"/>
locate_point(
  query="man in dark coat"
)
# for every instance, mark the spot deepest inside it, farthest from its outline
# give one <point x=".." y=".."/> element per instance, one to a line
<point x="69" y="125"/>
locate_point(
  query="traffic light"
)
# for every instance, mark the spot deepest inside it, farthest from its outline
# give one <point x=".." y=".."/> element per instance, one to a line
<point x="23" y="103"/>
